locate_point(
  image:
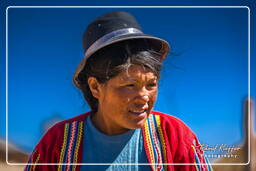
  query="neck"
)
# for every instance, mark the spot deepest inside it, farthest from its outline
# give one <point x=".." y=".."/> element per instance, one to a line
<point x="105" y="125"/>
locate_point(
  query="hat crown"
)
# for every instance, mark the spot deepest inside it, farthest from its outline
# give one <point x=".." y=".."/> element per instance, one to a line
<point x="108" y="23"/>
<point x="111" y="28"/>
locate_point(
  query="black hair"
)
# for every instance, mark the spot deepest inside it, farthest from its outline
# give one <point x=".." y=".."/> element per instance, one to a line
<point x="111" y="60"/>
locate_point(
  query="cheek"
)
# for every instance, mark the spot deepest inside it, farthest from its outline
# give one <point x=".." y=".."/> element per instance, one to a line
<point x="153" y="97"/>
<point x="119" y="99"/>
<point x="124" y="96"/>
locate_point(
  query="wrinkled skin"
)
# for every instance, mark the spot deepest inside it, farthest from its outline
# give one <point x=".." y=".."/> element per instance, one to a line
<point x="125" y="101"/>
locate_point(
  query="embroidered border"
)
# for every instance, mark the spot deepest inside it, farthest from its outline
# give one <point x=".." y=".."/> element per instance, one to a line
<point x="197" y="160"/>
<point x="209" y="166"/>
<point x="148" y="143"/>
<point x="161" y="135"/>
<point x="30" y="167"/>
<point x="153" y="146"/>
<point x="63" y="145"/>
<point x="157" y="144"/>
<point x="29" y="161"/>
<point x="71" y="144"/>
<point x="80" y="131"/>
<point x="37" y="159"/>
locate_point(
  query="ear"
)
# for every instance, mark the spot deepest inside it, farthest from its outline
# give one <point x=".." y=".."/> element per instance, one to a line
<point x="94" y="86"/>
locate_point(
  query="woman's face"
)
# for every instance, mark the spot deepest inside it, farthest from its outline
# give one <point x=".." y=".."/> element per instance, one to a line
<point x="126" y="100"/>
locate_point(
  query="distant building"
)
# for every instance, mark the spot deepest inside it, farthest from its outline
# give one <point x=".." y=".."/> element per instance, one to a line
<point x="15" y="155"/>
<point x="243" y="153"/>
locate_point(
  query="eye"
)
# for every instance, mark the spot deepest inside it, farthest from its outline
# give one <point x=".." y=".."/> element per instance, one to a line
<point x="152" y="85"/>
<point x="130" y="85"/>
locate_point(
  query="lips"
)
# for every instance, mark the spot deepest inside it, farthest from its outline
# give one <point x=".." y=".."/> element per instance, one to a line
<point x="138" y="112"/>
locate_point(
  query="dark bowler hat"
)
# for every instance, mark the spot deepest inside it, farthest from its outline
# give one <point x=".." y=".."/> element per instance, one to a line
<point x="111" y="28"/>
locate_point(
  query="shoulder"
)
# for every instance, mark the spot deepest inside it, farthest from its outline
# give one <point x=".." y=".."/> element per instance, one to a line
<point x="51" y="146"/>
<point x="56" y="132"/>
<point x="60" y="125"/>
<point x="167" y="117"/>
<point x="175" y="128"/>
<point x="180" y="141"/>
<point x="171" y="120"/>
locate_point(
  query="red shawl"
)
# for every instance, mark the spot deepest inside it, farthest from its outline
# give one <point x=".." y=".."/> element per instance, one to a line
<point x="166" y="140"/>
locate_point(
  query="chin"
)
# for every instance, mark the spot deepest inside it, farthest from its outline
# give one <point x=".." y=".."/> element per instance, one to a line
<point x="140" y="124"/>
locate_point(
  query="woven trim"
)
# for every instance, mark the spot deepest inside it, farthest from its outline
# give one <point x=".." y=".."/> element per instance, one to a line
<point x="148" y="144"/>
<point x="209" y="167"/>
<point x="71" y="144"/>
<point x="153" y="146"/>
<point x="156" y="141"/>
<point x="29" y="167"/>
<point x="106" y="38"/>
<point x="80" y="133"/>
<point x="63" y="145"/>
<point x="162" y="140"/>
<point x="197" y="160"/>
<point x="37" y="159"/>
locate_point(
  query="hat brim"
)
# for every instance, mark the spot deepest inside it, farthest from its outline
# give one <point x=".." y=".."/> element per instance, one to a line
<point x="158" y="44"/>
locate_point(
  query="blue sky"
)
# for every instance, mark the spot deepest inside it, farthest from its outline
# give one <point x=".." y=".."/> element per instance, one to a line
<point x="204" y="79"/>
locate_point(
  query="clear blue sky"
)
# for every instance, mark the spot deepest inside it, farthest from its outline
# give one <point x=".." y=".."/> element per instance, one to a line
<point x="204" y="80"/>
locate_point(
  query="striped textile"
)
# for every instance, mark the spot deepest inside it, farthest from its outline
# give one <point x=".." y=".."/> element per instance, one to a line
<point x="209" y="166"/>
<point x="198" y="162"/>
<point x="155" y="143"/>
<point x="70" y="147"/>
<point x="30" y="161"/>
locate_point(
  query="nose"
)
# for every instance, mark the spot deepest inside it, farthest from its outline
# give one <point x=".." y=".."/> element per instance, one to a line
<point x="143" y="96"/>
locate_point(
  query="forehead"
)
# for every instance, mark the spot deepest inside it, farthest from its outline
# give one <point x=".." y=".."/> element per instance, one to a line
<point x="136" y="72"/>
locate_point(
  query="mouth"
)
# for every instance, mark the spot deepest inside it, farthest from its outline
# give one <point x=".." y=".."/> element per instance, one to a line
<point x="138" y="112"/>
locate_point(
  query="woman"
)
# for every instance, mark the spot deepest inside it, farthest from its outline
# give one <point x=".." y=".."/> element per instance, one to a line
<point x="119" y="79"/>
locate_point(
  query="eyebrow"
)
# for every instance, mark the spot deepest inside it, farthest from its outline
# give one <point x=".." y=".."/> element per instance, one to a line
<point x="136" y="80"/>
